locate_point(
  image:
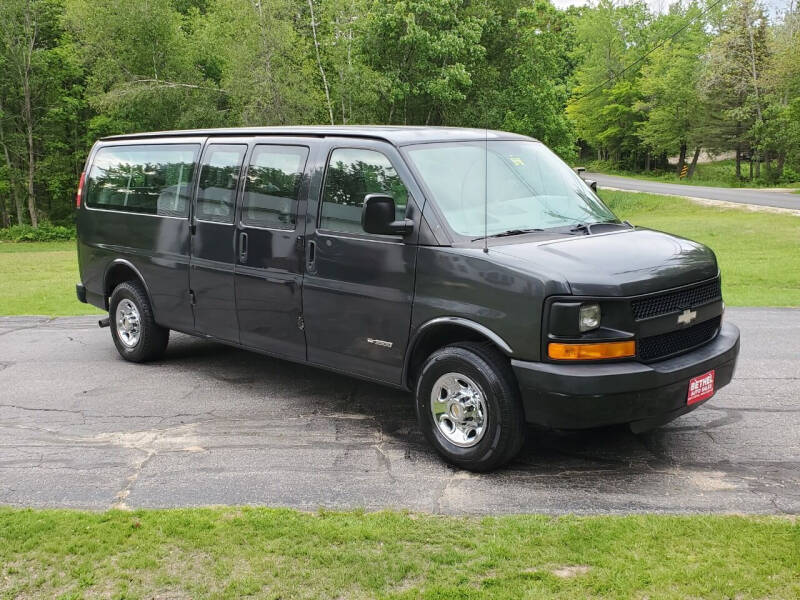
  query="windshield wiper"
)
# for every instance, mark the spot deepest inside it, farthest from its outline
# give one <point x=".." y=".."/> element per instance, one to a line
<point x="509" y="232"/>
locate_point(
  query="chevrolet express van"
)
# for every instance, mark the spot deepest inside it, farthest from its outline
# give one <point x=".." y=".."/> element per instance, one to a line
<point x="474" y="269"/>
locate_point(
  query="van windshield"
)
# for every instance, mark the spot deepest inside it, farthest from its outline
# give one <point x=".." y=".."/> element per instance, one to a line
<point x="524" y="184"/>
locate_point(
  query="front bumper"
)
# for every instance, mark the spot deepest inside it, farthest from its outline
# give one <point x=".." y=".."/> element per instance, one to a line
<point x="645" y="395"/>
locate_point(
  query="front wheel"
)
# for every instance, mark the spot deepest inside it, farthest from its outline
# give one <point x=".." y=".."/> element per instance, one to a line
<point x="136" y="335"/>
<point x="468" y="406"/>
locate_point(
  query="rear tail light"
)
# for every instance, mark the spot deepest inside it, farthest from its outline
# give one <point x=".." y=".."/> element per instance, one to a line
<point x="80" y="190"/>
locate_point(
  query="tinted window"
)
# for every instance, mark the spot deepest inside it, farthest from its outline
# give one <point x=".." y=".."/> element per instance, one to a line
<point x="352" y="174"/>
<point x="150" y="179"/>
<point x="219" y="176"/>
<point x="272" y="186"/>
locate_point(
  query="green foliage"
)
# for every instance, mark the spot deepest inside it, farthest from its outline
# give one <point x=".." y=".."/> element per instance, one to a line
<point x="142" y="72"/>
<point x="607" y="82"/>
<point x="604" y="105"/>
<point x="425" y="52"/>
<point x="669" y="83"/>
<point x="537" y="93"/>
<point x="45" y="232"/>
<point x="262" y="62"/>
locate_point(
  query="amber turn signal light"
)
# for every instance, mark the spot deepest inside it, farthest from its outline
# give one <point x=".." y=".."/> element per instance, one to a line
<point x="591" y="351"/>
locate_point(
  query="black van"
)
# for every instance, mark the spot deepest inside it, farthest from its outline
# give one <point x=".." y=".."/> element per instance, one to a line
<point x="473" y="268"/>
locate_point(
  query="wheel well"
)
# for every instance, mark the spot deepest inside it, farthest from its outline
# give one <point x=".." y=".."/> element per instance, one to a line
<point x="119" y="273"/>
<point x="439" y="336"/>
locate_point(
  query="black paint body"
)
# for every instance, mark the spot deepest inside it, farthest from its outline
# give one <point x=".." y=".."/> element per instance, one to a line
<point x="324" y="297"/>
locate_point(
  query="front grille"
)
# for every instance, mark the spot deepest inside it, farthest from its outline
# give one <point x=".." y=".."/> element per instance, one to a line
<point x="674" y="342"/>
<point x="663" y="304"/>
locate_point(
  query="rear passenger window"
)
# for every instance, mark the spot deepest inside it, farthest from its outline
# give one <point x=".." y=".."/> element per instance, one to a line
<point x="149" y="179"/>
<point x="272" y="186"/>
<point x="219" y="176"/>
<point x="352" y="174"/>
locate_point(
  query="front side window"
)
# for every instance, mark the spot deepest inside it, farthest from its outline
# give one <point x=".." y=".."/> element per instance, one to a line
<point x="148" y="179"/>
<point x="219" y="177"/>
<point x="352" y="174"/>
<point x="272" y="186"/>
<point x="505" y="186"/>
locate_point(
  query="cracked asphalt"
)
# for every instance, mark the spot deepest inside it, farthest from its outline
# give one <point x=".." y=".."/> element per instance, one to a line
<point x="80" y="427"/>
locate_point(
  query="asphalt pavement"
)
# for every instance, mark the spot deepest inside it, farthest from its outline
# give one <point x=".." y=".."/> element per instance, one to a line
<point x="759" y="197"/>
<point x="80" y="427"/>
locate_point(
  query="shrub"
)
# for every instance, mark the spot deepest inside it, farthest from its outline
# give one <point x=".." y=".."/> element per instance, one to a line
<point x="46" y="232"/>
<point x="790" y="175"/>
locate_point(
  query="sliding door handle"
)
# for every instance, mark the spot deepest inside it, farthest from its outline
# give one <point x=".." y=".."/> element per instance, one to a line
<point x="312" y="253"/>
<point x="242" y="247"/>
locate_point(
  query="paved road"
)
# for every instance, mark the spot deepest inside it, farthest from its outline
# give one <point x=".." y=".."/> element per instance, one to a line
<point x="761" y="197"/>
<point x="79" y="427"/>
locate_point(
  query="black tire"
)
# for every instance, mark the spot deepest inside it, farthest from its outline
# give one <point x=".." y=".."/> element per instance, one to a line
<point x="152" y="339"/>
<point x="505" y="427"/>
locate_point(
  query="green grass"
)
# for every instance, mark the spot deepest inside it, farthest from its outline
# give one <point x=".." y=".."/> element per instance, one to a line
<point x="38" y="278"/>
<point x="269" y="553"/>
<point x="758" y="252"/>
<point x="721" y="173"/>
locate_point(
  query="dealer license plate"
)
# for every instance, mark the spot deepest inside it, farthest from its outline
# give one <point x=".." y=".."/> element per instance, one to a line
<point x="700" y="388"/>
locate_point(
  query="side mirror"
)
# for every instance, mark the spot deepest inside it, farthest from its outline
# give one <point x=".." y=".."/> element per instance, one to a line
<point x="581" y="171"/>
<point x="379" y="216"/>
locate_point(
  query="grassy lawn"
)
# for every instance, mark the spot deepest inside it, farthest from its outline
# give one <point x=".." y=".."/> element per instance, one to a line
<point x="38" y="278"/>
<point x="276" y="553"/>
<point x="721" y="173"/>
<point x="758" y="252"/>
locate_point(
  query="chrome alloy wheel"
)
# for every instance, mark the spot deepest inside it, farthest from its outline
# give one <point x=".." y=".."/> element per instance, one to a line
<point x="459" y="409"/>
<point x="129" y="327"/>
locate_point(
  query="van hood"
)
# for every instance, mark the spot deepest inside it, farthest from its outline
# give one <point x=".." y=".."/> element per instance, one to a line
<point x="624" y="263"/>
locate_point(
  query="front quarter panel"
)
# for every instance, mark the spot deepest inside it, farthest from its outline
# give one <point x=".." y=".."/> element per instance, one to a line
<point x="469" y="284"/>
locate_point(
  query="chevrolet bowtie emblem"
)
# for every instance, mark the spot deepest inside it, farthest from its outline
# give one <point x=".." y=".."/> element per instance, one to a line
<point x="687" y="317"/>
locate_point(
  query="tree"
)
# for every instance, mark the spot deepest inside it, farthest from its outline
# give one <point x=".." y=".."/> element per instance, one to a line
<point x="352" y="85"/>
<point x="425" y="51"/>
<point x="32" y="97"/>
<point x="536" y="95"/>
<point x="606" y="95"/>
<point x="672" y="102"/>
<point x="734" y="83"/>
<point x="144" y="71"/>
<point x="781" y="133"/>
<point x="264" y="66"/>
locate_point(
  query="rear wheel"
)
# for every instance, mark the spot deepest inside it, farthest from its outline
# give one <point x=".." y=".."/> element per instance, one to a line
<point x="136" y="335"/>
<point x="468" y="406"/>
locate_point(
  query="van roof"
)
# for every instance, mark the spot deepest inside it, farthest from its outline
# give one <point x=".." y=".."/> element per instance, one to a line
<point x="397" y="135"/>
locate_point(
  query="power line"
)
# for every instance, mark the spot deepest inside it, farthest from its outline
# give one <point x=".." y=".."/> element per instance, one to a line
<point x="653" y="49"/>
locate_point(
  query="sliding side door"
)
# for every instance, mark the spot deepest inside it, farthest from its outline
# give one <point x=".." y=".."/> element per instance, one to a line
<point x="269" y="261"/>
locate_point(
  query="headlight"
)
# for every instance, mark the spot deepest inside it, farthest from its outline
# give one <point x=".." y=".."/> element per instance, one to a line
<point x="589" y="317"/>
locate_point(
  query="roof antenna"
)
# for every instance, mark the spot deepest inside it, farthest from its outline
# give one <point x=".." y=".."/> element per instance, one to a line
<point x="486" y="191"/>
